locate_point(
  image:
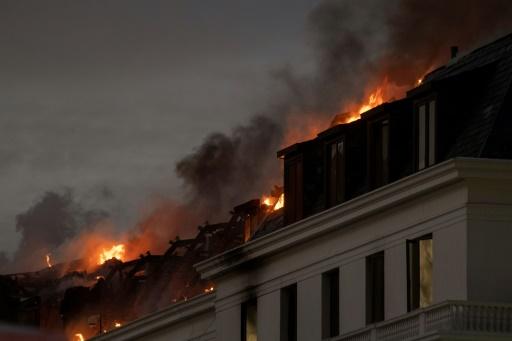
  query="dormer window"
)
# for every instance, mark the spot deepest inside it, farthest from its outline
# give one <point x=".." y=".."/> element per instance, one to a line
<point x="336" y="172"/>
<point x="379" y="156"/>
<point x="426" y="142"/>
<point x="293" y="190"/>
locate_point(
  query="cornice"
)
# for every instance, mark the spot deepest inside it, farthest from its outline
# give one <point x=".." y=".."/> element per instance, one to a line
<point x="162" y="319"/>
<point x="426" y="181"/>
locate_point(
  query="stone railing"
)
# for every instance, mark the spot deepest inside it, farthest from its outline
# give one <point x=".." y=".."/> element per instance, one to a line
<point x="450" y="316"/>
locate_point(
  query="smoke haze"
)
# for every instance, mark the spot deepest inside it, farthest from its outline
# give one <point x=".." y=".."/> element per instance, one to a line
<point x="354" y="46"/>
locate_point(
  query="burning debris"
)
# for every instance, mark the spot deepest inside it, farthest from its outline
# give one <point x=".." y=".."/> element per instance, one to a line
<point x="86" y="300"/>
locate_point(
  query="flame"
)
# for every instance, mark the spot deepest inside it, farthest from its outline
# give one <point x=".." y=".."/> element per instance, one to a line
<point x="280" y="202"/>
<point x="419" y="81"/>
<point x="48" y="260"/>
<point x="79" y="337"/>
<point x="273" y="203"/>
<point x="267" y="201"/>
<point x="116" y="251"/>
<point x="210" y="289"/>
<point x="376" y="98"/>
<point x="117" y="324"/>
<point x="353" y="112"/>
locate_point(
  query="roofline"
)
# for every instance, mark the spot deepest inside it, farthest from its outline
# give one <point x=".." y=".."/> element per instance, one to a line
<point x="446" y="173"/>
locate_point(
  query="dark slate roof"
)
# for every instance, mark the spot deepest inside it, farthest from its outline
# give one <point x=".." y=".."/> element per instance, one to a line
<point x="481" y="136"/>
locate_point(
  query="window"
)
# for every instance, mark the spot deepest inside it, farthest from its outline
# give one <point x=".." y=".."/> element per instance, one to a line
<point x="336" y="172"/>
<point x="380" y="153"/>
<point x="249" y="320"/>
<point x="293" y="190"/>
<point x="419" y="272"/>
<point x="375" y="287"/>
<point x="330" y="304"/>
<point x="289" y="313"/>
<point x="426" y="134"/>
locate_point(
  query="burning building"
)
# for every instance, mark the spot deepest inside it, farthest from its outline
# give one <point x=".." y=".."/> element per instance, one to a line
<point x="395" y="226"/>
<point x="391" y="224"/>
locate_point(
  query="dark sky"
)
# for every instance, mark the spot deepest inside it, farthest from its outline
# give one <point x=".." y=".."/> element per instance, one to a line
<point x="105" y="96"/>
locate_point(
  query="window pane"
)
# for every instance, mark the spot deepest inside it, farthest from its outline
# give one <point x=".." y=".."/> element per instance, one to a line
<point x="333" y="173"/>
<point x="432" y="133"/>
<point x="293" y="190"/>
<point x="426" y="266"/>
<point x="385" y="151"/>
<point x="340" y="172"/>
<point x="289" y="313"/>
<point x="421" y="137"/>
<point x="330" y="304"/>
<point x="420" y="266"/>
<point x="375" y="287"/>
<point x="249" y="321"/>
<point x="336" y="176"/>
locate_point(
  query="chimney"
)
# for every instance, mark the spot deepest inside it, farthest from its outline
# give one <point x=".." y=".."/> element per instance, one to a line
<point x="454" y="51"/>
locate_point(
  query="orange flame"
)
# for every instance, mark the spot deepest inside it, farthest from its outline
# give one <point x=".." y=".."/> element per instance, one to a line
<point x="280" y="202"/>
<point x="79" y="337"/>
<point x="48" y="260"/>
<point x="116" y="251"/>
<point x="376" y="98"/>
<point x="117" y="324"/>
<point x="273" y="203"/>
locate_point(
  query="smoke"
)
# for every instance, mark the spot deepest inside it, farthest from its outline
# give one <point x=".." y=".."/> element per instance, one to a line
<point x="228" y="169"/>
<point x="46" y="226"/>
<point x="358" y="45"/>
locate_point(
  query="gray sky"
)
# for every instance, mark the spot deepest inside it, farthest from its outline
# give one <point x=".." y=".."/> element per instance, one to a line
<point x="97" y="94"/>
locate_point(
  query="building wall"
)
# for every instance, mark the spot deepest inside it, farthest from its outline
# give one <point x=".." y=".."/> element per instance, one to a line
<point x="471" y="225"/>
<point x="441" y="212"/>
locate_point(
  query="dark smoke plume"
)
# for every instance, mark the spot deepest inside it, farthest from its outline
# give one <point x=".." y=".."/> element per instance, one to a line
<point x="359" y="45"/>
<point x="227" y="169"/>
<point x="47" y="225"/>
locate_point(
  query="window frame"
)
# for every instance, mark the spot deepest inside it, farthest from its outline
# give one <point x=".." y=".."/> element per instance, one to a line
<point x="341" y="171"/>
<point x="379" y="176"/>
<point x="294" y="209"/>
<point x="288" y="316"/>
<point x="430" y="151"/>
<point x="244" y="321"/>
<point x="375" y="301"/>
<point x="331" y="303"/>
<point x="414" y="271"/>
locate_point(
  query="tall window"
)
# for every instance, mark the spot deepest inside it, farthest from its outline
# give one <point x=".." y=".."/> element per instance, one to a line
<point x="380" y="153"/>
<point x="330" y="304"/>
<point x="336" y="172"/>
<point x="375" y="287"/>
<point x="293" y="190"/>
<point x="426" y="134"/>
<point x="289" y="313"/>
<point x="419" y="272"/>
<point x="249" y="321"/>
